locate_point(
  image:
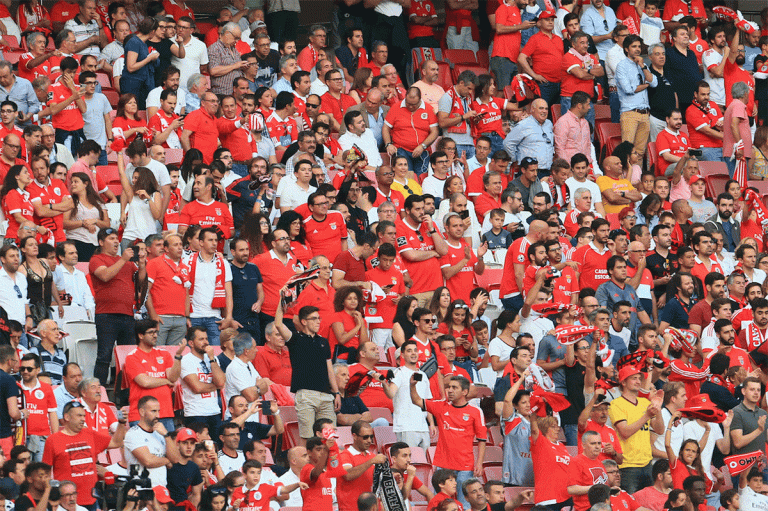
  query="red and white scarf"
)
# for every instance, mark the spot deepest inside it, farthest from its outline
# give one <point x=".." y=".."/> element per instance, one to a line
<point x="556" y="194"/>
<point x="755" y="338"/>
<point x="219" y="293"/>
<point x="458" y="107"/>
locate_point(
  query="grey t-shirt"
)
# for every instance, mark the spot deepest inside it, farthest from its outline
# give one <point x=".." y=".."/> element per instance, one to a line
<point x="551" y="351"/>
<point x="702" y="210"/>
<point x="444" y="105"/>
<point x="746" y="420"/>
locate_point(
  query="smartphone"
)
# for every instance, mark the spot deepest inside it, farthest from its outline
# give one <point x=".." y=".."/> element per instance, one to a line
<point x="695" y="152"/>
<point x="210" y="445"/>
<point x="418" y="377"/>
<point x="135" y="256"/>
<point x="266" y="407"/>
<point x="464" y="214"/>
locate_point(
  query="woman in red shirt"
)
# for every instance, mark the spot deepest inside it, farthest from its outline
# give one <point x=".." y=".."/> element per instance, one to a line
<point x="127" y="118"/>
<point x="457" y="323"/>
<point x="264" y="100"/>
<point x="362" y="84"/>
<point x="348" y="328"/>
<point x="688" y="461"/>
<point x="15" y="201"/>
<point x="490" y="110"/>
<point x="292" y="223"/>
<point x="33" y="17"/>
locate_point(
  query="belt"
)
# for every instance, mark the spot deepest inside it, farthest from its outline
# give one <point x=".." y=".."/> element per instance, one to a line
<point x="641" y="110"/>
<point x="462" y="359"/>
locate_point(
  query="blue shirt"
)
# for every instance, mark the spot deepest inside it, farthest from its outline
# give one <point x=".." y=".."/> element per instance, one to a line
<point x="140" y="48"/>
<point x="376" y="125"/>
<point x="595" y="25"/>
<point x="675" y="314"/>
<point x="609" y="293"/>
<point x="529" y="138"/>
<point x="244" y="293"/>
<point x="193" y="102"/>
<point x="23" y="94"/>
<point x="629" y="76"/>
<point x="282" y="85"/>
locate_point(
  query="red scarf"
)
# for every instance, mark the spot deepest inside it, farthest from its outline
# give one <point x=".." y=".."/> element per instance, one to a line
<point x="717" y="380"/>
<point x="566" y="194"/>
<point x="219" y="293"/>
<point x="457" y="106"/>
<point x="755" y="338"/>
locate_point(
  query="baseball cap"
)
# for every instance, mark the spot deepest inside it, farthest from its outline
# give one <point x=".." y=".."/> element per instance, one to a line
<point x="527" y="161"/>
<point x="162" y="495"/>
<point x="549" y="13"/>
<point x="696" y="177"/>
<point x="185" y="434"/>
<point x="257" y="25"/>
<point x="627" y="371"/>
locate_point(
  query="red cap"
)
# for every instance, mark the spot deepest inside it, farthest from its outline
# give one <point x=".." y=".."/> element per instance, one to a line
<point x="627" y="371"/>
<point x="185" y="434"/>
<point x="696" y="177"/>
<point x="549" y="13"/>
<point x="162" y="495"/>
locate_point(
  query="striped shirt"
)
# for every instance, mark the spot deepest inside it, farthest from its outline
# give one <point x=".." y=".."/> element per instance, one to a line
<point x="220" y="55"/>
<point x="53" y="363"/>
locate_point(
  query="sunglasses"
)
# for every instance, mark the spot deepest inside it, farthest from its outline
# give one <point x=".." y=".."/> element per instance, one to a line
<point x="24" y="369"/>
<point x="366" y="437"/>
<point x="429" y="320"/>
<point x="313" y="105"/>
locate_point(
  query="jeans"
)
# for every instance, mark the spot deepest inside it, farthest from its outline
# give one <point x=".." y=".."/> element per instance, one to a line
<point x="550" y="92"/>
<point x="165" y="421"/>
<point x="103" y="157"/>
<point x="213" y="422"/>
<point x="417" y="165"/>
<point x="210" y="326"/>
<point x="713" y="499"/>
<point x="731" y="164"/>
<point x="565" y="105"/>
<point x="71" y="139"/>
<point x="514" y="303"/>
<point x="111" y="329"/>
<point x="635" y="478"/>
<point x="172" y="330"/>
<point x="571" y="432"/>
<point x="252" y="326"/>
<point x="469" y="149"/>
<point x="497" y="142"/>
<point x="469" y="367"/>
<point x="504" y="69"/>
<point x="461" y="476"/>
<point x="712" y="154"/>
<point x="240" y="169"/>
<point x="613" y="98"/>
<point x="36" y="446"/>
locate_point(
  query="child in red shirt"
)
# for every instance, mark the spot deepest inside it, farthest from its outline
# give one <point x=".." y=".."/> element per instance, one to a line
<point x="254" y="496"/>
<point x="444" y="480"/>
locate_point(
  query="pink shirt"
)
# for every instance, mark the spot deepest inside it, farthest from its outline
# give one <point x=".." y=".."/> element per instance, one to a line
<point x="571" y="136"/>
<point x="430" y="94"/>
<point x="681" y="190"/>
<point x="739" y="110"/>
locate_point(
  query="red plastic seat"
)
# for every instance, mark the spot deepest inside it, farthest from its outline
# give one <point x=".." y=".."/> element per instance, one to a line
<point x="105" y="80"/>
<point x="653" y="158"/>
<point x="444" y="78"/>
<point x="761" y="186"/>
<point x="12" y="41"/>
<point x="460" y="68"/>
<point x="554" y="110"/>
<point x="381" y="412"/>
<point x="112" y="96"/>
<point x="602" y="111"/>
<point x="109" y="173"/>
<point x="385" y="437"/>
<point x="716" y="184"/>
<point x="606" y="130"/>
<point x="460" y="57"/>
<point x="492" y="473"/>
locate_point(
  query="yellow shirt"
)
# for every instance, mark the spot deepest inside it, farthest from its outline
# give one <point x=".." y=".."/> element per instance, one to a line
<point x="618" y="186"/>
<point x="637" y="448"/>
<point x="413" y="188"/>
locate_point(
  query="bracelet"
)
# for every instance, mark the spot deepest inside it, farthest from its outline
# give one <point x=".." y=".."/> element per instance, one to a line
<point x="177" y="357"/>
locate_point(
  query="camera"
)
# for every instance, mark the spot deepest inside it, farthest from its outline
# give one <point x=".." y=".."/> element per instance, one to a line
<point x="695" y="152"/>
<point x="464" y="214"/>
<point x="112" y="492"/>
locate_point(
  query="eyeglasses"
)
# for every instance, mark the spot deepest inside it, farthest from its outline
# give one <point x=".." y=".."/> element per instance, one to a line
<point x="90" y="82"/>
<point x="388" y="174"/>
<point x="24" y="369"/>
<point x="366" y="437"/>
<point x="282" y="238"/>
<point x="68" y="495"/>
<point x="18" y="291"/>
<point x="605" y="24"/>
<point x="326" y="203"/>
<point x="335" y="79"/>
<point x="313" y="318"/>
<point x="428" y="320"/>
<point x="313" y="105"/>
<point x="7" y="111"/>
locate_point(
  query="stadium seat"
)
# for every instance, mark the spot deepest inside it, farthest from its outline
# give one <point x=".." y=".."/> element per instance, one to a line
<point x="554" y="110"/>
<point x="492" y="473"/>
<point x="291" y="437"/>
<point x="490" y="279"/>
<point x="707" y="168"/>
<point x="345" y="436"/>
<point x="391" y="358"/>
<point x="288" y="414"/>
<point x="613" y="219"/>
<point x="495" y="436"/>
<point x="112" y="96"/>
<point x="483" y="58"/>
<point x="602" y="111"/>
<point x="431" y="453"/>
<point x="85" y="355"/>
<point x="380" y="412"/>
<point x="13" y="56"/>
<point x="454" y="57"/>
<point x="12" y="41"/>
<point x="444" y="78"/>
<point x="174" y="156"/>
<point x="611" y="145"/>
<point x="606" y="130"/>
<point x="653" y="158"/>
<point x="761" y="186"/>
<point x="424" y="473"/>
<point x="494" y="455"/>
<point x="105" y="80"/>
<point x="384" y="437"/>
<point x="716" y="184"/>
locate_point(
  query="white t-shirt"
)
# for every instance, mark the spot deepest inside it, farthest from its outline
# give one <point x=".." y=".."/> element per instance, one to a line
<point x="691" y="429"/>
<point x="499" y="348"/>
<point x="158" y="169"/>
<point x="751" y="501"/>
<point x="758" y="276"/>
<point x="137" y="437"/>
<point x="433" y="186"/>
<point x="240" y="376"/>
<point x="678" y="433"/>
<point x="366" y="142"/>
<point x="195" y="55"/>
<point x="294" y="498"/>
<point x="205" y="283"/>
<point x="574" y="185"/>
<point x="716" y="85"/>
<point x="406" y="416"/>
<point x="293" y="195"/>
<point x="229" y="464"/>
<point x="153" y="99"/>
<point x="536" y="325"/>
<point x="204" y="404"/>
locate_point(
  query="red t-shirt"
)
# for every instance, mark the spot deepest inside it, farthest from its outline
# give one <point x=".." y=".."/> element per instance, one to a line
<point x="173" y="211"/>
<point x="507" y="45"/>
<point x="100" y="419"/>
<point x="114" y="296"/>
<point x="696" y="118"/>
<point x="623" y="501"/>
<point x="69" y="119"/>
<point x="395" y="197"/>
<point x="156" y="364"/>
<point x="409" y="129"/>
<point x="484" y="203"/>
<point x="255" y="499"/>
<point x="168" y="297"/>
<point x="732" y="73"/>
<point x="592" y="265"/>
<point x="565" y="286"/>
<point x="550" y="470"/>
<point x="491" y="121"/>
<point x="325" y="236"/>
<point x="516" y="254"/>
<point x="463" y="282"/>
<point x="698" y="48"/>
<point x="273" y="365"/>
<point x="421" y="8"/>
<point x="208" y="215"/>
<point x="348" y="322"/>
<point x="544" y="53"/>
<point x="372" y="393"/>
<point x="336" y="107"/>
<point x="319" y="495"/>
<point x="461" y="351"/>
<point x="274" y="275"/>
<point x="426" y="274"/>
<point x="386" y="308"/>
<point x="173" y="9"/>
<point x="279" y="128"/>
<point x="737" y="356"/>
<point x="570" y="83"/>
<point x="239" y="139"/>
<point x="17" y="201"/>
<point x="318" y="297"/>
<point x="128" y="124"/>
<point x="53" y="193"/>
<point x="459" y="426"/>
<point x="583" y="471"/>
<point x="43" y="69"/>
<point x="607" y="436"/>
<point x="40" y="401"/>
<point x="347" y="492"/>
<point x="73" y="458"/>
<point x="205" y="135"/>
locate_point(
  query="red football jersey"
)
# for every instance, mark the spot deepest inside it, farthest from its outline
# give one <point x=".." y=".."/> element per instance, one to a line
<point x="463" y="282"/>
<point x="459" y="426"/>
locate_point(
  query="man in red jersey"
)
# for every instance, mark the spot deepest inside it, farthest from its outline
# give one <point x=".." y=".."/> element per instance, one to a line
<point x="200" y="131"/>
<point x="706" y="119"/>
<point x="50" y="199"/>
<point x="390" y="279"/>
<point x="565" y="288"/>
<point x="621" y="499"/>
<point x="461" y="263"/>
<point x="705" y="261"/>
<point x="67" y="107"/>
<point x="9" y="153"/>
<point x="515" y="264"/>
<point x="98" y="415"/>
<point x="42" y="421"/>
<point x="586" y="470"/>
<point x="755" y="333"/>
<point x="166" y="123"/>
<point x="8" y="117"/>
<point x="372" y="389"/>
<point x="421" y="245"/>
<point x="335" y="102"/>
<point x="460" y="424"/>
<point x="324" y="465"/>
<point x="594" y="417"/>
<point x="319" y="293"/>
<point x="386" y="232"/>
<point x="75" y="437"/>
<point x="490" y="198"/>
<point x="151" y="372"/>
<point x="409" y="129"/>
<point x="592" y="258"/>
<point x="326" y="230"/>
<point x="671" y="143"/>
<point x="540" y="52"/>
<point x="734" y="72"/>
<point x="726" y="335"/>
<point x="358" y="461"/>
<point x="206" y="212"/>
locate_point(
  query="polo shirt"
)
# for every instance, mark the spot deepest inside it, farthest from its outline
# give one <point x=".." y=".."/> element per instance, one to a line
<point x="409" y="129"/>
<point x="275" y="365"/>
<point x="543" y="51"/>
<point x="426" y="274"/>
<point x="307" y="356"/>
<point x="745" y="420"/>
<point x="617" y="185"/>
<point x="701" y="271"/>
<point x="53" y="363"/>
<point x="698" y="117"/>
<point x="115" y="296"/>
<point x="507" y="45"/>
<point x="675" y="314"/>
<point x="325" y="236"/>
<point x="167" y="295"/>
<point x="240" y="376"/>
<point x="352" y="268"/>
<point x="571" y="83"/>
<point x="683" y="73"/>
<point x="238" y="138"/>
<point x="336" y="107"/>
<point x="674" y="143"/>
<point x="244" y="289"/>
<point x="205" y="134"/>
<point x="348" y="491"/>
<point x="274" y="274"/>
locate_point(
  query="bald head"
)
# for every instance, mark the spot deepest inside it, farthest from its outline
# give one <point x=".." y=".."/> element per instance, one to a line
<point x="11" y="139"/>
<point x="612" y="166"/>
<point x="636" y="245"/>
<point x="538" y="230"/>
<point x="374" y="95"/>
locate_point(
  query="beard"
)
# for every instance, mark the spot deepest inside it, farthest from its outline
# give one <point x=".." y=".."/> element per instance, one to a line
<point x="726" y="214"/>
<point x="740" y="60"/>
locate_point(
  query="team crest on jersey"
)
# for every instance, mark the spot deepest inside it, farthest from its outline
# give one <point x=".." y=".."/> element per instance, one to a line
<point x="424" y="116"/>
<point x="428" y="8"/>
<point x="159" y="360"/>
<point x="39" y="394"/>
<point x="257" y="495"/>
<point x="684" y="140"/>
<point x="218" y="211"/>
<point x="466" y="417"/>
<point x="699" y="48"/>
<point x="520" y="258"/>
<point x="333" y="226"/>
<point x="401" y="240"/>
<point x="334" y="463"/>
<point x="57" y="191"/>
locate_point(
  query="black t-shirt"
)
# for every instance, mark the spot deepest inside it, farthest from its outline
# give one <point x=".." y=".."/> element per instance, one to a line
<point x="661" y="267"/>
<point x="164" y="49"/>
<point x="253" y="431"/>
<point x="268" y="68"/>
<point x="25" y="502"/>
<point x="181" y="478"/>
<point x="307" y="356"/>
<point x="349" y="61"/>
<point x="574" y="385"/>
<point x="8" y="388"/>
<point x="661" y="97"/>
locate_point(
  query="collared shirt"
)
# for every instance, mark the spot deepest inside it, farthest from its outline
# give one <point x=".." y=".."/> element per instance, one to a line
<point x="220" y="55"/>
<point x="10" y="300"/>
<point x="282" y="85"/>
<point x="375" y="124"/>
<point x="683" y="73"/>
<point x="244" y="291"/>
<point x="291" y="162"/>
<point x="629" y="76"/>
<point x="112" y="52"/>
<point x="76" y="285"/>
<point x="366" y="142"/>
<point x="195" y="55"/>
<point x="21" y="93"/>
<point x="63" y="397"/>
<point x="82" y="32"/>
<point x="572" y="136"/>
<point x="529" y="138"/>
<point x="612" y="59"/>
<point x="594" y="24"/>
